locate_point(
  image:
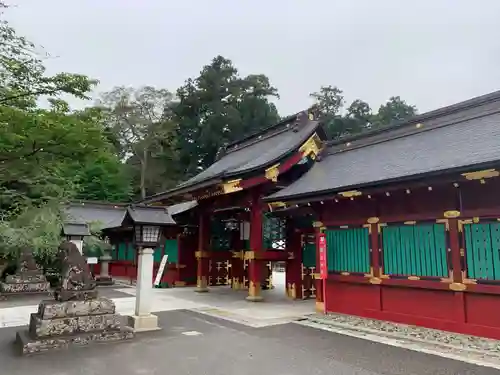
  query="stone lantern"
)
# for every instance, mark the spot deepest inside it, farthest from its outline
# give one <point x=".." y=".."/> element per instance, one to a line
<point x="147" y="224"/>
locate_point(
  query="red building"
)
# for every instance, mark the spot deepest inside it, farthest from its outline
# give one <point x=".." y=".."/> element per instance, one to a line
<point x="411" y="216"/>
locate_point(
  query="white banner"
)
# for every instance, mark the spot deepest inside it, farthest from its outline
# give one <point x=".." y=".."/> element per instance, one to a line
<point x="161" y="269"/>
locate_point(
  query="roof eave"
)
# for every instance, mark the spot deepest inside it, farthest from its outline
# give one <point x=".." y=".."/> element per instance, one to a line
<point x="317" y="195"/>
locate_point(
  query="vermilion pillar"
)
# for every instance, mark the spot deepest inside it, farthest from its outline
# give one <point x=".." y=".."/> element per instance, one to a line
<point x="236" y="272"/>
<point x="320" y="303"/>
<point x="202" y="255"/>
<point x="294" y="263"/>
<point x="254" y="265"/>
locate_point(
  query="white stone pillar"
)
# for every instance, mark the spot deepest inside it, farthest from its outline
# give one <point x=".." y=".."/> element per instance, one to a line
<point x="143" y="320"/>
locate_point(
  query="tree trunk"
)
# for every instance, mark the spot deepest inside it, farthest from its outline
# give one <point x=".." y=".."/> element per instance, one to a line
<point x="143" y="173"/>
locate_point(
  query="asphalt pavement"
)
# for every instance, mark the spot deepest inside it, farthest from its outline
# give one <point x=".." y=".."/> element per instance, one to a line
<point x="196" y="344"/>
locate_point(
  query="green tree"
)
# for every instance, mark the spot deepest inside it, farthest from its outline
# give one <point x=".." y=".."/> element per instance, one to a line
<point x="217" y="107"/>
<point x="394" y="110"/>
<point x="23" y="76"/>
<point x="140" y="121"/>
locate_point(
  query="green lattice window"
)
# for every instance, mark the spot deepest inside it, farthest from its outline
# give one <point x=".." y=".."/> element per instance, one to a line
<point x="348" y="250"/>
<point x="220" y="237"/>
<point x="309" y="251"/>
<point x="273" y="232"/>
<point x="482" y="246"/>
<point x="415" y="250"/>
<point x="125" y="252"/>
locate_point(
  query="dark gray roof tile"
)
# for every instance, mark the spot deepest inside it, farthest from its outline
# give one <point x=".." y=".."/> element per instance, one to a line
<point x="150" y="215"/>
<point x="468" y="139"/>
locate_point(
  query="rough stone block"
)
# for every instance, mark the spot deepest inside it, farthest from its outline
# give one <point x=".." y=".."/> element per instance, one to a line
<point x="28" y="345"/>
<point x="26" y="277"/>
<point x="55" y="309"/>
<point x="35" y="287"/>
<point x="64" y="295"/>
<point x="40" y="328"/>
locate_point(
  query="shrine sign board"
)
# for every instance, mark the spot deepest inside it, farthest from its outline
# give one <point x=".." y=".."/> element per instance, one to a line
<point x="323" y="267"/>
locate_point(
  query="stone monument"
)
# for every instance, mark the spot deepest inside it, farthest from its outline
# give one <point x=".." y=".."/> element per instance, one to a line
<point x="28" y="279"/>
<point x="77" y="316"/>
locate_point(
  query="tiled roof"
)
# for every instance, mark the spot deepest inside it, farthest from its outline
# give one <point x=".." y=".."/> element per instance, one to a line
<point x="259" y="151"/>
<point x="106" y="215"/>
<point x="460" y="136"/>
<point x="150" y="215"/>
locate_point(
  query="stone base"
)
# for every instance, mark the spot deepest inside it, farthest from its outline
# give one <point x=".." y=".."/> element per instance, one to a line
<point x="143" y="323"/>
<point x="102" y="280"/>
<point x="61" y="324"/>
<point x="29" y="345"/>
<point x="73" y="295"/>
<point x="27" y="288"/>
<point x="201" y="289"/>
<point x="255" y="298"/>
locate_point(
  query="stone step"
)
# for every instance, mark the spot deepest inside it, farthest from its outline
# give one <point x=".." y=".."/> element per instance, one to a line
<point x="39" y="327"/>
<point x="26" y="345"/>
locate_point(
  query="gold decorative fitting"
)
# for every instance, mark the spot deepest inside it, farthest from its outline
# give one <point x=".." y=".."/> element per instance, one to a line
<point x="320" y="307"/>
<point x="380" y="225"/>
<point x="481" y="175"/>
<point x="448" y="279"/>
<point x="238" y="254"/>
<point x="345" y="273"/>
<point x="350" y="193"/>
<point x="180" y="283"/>
<point x="451" y="214"/>
<point x="446" y="222"/>
<point x="316" y="276"/>
<point x="250" y="255"/>
<point x="254" y="289"/>
<point x="201" y="254"/>
<point x="413" y="278"/>
<point x="291" y="291"/>
<point x="381" y="273"/>
<point x="475" y="220"/>
<point x="468" y="281"/>
<point x="231" y="186"/>
<point x="291" y="255"/>
<point x="317" y="224"/>
<point x="375" y="281"/>
<point x="312" y="146"/>
<point x="372" y="220"/>
<point x="457" y="287"/>
<point x="201" y="282"/>
<point x="462" y="252"/>
<point x="369" y="227"/>
<point x="273" y="172"/>
<point x="412" y="222"/>
<point x="274" y="205"/>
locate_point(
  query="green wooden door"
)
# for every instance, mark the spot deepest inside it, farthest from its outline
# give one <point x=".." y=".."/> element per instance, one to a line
<point x="482" y="245"/>
<point x="415" y="250"/>
<point x="348" y="250"/>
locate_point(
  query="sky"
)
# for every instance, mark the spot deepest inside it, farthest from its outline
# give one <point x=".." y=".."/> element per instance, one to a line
<point x="432" y="53"/>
